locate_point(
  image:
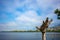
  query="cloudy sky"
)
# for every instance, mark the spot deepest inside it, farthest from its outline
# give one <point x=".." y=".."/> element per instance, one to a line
<point x="27" y="14"/>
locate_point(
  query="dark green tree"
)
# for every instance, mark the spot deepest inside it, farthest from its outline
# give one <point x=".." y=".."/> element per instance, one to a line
<point x="57" y="11"/>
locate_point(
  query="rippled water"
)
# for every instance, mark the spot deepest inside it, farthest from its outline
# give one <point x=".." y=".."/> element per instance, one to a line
<point x="28" y="36"/>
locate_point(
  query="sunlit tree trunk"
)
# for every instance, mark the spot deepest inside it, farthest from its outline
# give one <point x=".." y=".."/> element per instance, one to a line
<point x="44" y="35"/>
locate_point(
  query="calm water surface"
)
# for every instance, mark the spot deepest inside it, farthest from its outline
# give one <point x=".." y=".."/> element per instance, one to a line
<point x="28" y="36"/>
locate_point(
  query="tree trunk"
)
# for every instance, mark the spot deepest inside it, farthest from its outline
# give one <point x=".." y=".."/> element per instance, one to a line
<point x="43" y="35"/>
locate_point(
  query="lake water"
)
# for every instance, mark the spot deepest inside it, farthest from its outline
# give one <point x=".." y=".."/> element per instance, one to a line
<point x="28" y="36"/>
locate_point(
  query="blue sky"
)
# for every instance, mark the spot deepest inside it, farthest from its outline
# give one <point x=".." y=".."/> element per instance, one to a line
<point x="27" y="14"/>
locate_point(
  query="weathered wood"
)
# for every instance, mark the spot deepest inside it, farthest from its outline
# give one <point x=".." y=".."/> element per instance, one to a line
<point x="44" y="35"/>
<point x="43" y="28"/>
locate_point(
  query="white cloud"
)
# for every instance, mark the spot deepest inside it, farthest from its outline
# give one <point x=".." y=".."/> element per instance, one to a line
<point x="8" y="24"/>
<point x="30" y="16"/>
<point x="25" y="18"/>
<point x="11" y="24"/>
<point x="44" y="4"/>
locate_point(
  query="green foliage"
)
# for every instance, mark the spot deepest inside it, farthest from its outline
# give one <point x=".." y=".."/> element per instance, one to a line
<point x="57" y="11"/>
<point x="58" y="17"/>
<point x="58" y="30"/>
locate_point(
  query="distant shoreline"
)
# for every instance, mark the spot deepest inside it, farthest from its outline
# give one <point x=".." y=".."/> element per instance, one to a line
<point x="28" y="31"/>
<point x="31" y="31"/>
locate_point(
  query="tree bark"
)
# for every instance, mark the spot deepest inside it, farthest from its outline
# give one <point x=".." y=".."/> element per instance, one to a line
<point x="44" y="36"/>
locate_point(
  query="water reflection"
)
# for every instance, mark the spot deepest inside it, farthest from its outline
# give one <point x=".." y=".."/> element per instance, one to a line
<point x="53" y="36"/>
<point x="28" y="36"/>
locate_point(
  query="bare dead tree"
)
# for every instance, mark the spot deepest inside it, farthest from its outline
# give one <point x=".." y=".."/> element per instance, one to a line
<point x="43" y="27"/>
